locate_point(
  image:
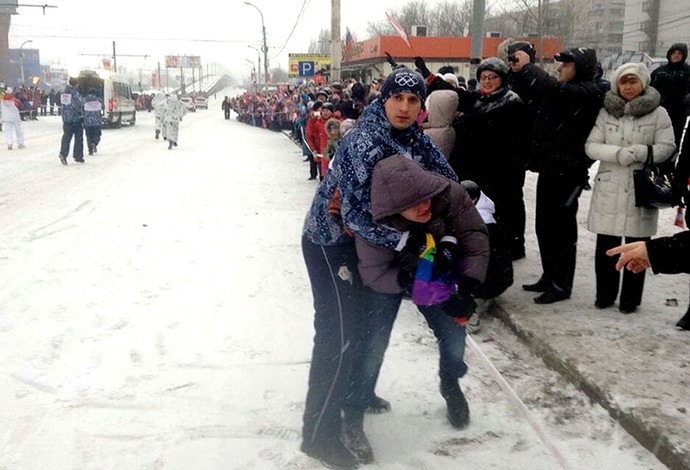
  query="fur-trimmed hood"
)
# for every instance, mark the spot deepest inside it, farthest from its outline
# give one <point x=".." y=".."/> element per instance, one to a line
<point x="644" y="104"/>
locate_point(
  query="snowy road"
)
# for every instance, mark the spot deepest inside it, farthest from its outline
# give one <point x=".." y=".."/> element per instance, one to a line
<point x="155" y="314"/>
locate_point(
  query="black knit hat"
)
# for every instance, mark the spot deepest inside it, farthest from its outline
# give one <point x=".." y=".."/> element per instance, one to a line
<point x="585" y="60"/>
<point x="524" y="47"/>
<point x="403" y="80"/>
<point x="496" y="65"/>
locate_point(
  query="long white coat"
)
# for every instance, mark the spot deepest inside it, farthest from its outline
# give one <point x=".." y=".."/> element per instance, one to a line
<point x="619" y="142"/>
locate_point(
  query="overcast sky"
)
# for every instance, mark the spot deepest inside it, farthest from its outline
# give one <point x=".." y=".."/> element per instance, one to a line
<point x="77" y="32"/>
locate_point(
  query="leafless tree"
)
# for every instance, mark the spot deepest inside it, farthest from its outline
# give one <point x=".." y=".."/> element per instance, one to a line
<point x="451" y="18"/>
<point x="322" y="44"/>
<point x="380" y="28"/>
<point x="414" y="12"/>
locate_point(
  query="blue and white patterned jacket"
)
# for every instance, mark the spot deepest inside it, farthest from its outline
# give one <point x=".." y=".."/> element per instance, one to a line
<point x="93" y="107"/>
<point x="372" y="139"/>
<point x="72" y="106"/>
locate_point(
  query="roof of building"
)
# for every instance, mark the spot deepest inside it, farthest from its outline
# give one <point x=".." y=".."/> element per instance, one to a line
<point x="437" y="47"/>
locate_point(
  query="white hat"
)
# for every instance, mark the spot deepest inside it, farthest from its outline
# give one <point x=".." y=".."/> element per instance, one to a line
<point x="638" y="69"/>
<point x="449" y="77"/>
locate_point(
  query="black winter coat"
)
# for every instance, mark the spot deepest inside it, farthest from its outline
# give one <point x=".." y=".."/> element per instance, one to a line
<point x="672" y="81"/>
<point x="562" y="115"/>
<point x="670" y="255"/>
<point x="491" y="138"/>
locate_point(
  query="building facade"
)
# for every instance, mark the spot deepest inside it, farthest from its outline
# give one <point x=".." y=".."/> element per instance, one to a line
<point x="603" y="27"/>
<point x="652" y="26"/>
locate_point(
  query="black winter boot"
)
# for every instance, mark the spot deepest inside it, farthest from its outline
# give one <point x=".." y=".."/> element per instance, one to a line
<point x="378" y="405"/>
<point x="332" y="453"/>
<point x="684" y="323"/>
<point x="458" y="411"/>
<point x="354" y="437"/>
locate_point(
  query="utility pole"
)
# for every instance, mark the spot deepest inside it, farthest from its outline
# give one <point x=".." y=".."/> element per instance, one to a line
<point x="477" y="28"/>
<point x="114" y="59"/>
<point x="336" y="46"/>
<point x="264" y="47"/>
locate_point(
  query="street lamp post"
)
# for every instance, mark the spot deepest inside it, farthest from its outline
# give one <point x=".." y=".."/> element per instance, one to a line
<point x="258" y="57"/>
<point x="21" y="60"/>
<point x="264" y="47"/>
<point x="253" y="70"/>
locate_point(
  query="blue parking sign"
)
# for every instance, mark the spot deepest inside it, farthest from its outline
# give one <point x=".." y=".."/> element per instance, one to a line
<point x="306" y="69"/>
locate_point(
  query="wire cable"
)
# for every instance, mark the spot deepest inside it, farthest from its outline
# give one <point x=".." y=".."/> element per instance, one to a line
<point x="305" y="4"/>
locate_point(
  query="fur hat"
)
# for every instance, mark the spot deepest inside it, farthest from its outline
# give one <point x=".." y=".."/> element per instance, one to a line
<point x="403" y="80"/>
<point x="346" y="126"/>
<point x="495" y="65"/>
<point x="638" y="69"/>
<point x="333" y="127"/>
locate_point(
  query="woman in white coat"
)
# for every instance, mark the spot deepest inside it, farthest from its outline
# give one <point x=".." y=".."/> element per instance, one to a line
<point x="11" y="120"/>
<point x="629" y="122"/>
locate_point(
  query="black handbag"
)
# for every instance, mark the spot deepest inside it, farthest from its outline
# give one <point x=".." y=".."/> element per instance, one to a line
<point x="652" y="187"/>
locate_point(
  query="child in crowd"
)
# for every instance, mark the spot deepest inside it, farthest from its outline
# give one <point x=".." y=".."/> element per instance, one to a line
<point x="334" y="136"/>
<point x="499" y="274"/>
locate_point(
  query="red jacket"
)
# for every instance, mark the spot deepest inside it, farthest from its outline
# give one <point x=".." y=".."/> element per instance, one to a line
<point x="320" y="126"/>
<point x="312" y="134"/>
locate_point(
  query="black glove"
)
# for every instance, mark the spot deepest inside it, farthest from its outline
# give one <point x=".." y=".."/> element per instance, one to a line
<point x="679" y="191"/>
<point x="390" y="60"/>
<point x="405" y="278"/>
<point x="446" y="263"/>
<point x="459" y="306"/>
<point x="416" y="241"/>
<point x="409" y="255"/>
<point x="421" y="65"/>
<point x="467" y="286"/>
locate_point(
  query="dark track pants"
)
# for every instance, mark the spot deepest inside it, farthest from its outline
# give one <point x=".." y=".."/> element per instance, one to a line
<point x="336" y="289"/>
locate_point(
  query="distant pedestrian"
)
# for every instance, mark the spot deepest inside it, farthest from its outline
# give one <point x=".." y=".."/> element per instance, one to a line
<point x="93" y="116"/>
<point x="159" y="103"/>
<point x="11" y="120"/>
<point x="54" y="100"/>
<point x="174" y="111"/>
<point x="673" y="82"/>
<point x="226" y="106"/>
<point x="72" y="123"/>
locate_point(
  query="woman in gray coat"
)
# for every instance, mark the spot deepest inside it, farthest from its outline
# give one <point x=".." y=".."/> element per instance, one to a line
<point x="630" y="121"/>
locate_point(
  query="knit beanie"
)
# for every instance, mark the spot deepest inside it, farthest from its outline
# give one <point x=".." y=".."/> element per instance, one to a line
<point x="496" y="65"/>
<point x="638" y="69"/>
<point x="403" y="80"/>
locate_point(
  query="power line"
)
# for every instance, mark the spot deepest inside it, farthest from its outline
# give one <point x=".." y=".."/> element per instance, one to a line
<point x="305" y="4"/>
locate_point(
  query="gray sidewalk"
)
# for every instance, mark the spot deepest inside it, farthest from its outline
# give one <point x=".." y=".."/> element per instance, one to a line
<point x="636" y="366"/>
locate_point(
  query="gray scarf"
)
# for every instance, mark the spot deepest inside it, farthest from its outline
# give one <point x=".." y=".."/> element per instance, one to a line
<point x="644" y="104"/>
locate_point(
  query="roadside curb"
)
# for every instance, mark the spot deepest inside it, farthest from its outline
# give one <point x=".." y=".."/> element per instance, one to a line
<point x="647" y="432"/>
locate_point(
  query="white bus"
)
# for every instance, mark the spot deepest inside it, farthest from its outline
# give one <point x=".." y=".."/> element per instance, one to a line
<point x="118" y="102"/>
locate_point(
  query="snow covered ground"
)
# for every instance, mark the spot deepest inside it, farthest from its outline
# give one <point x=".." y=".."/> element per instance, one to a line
<point x="155" y="313"/>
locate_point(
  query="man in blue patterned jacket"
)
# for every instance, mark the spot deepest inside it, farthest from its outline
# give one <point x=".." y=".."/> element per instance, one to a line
<point x="72" y="122"/>
<point x="387" y="127"/>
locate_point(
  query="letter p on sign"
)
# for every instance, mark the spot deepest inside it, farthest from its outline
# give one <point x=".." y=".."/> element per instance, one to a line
<point x="306" y="69"/>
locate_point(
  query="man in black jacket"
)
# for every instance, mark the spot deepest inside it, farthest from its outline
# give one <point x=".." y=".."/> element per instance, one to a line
<point x="672" y="81"/>
<point x="563" y="112"/>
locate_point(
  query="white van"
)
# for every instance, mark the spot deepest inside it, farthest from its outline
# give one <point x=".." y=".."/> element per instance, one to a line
<point x="116" y="93"/>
